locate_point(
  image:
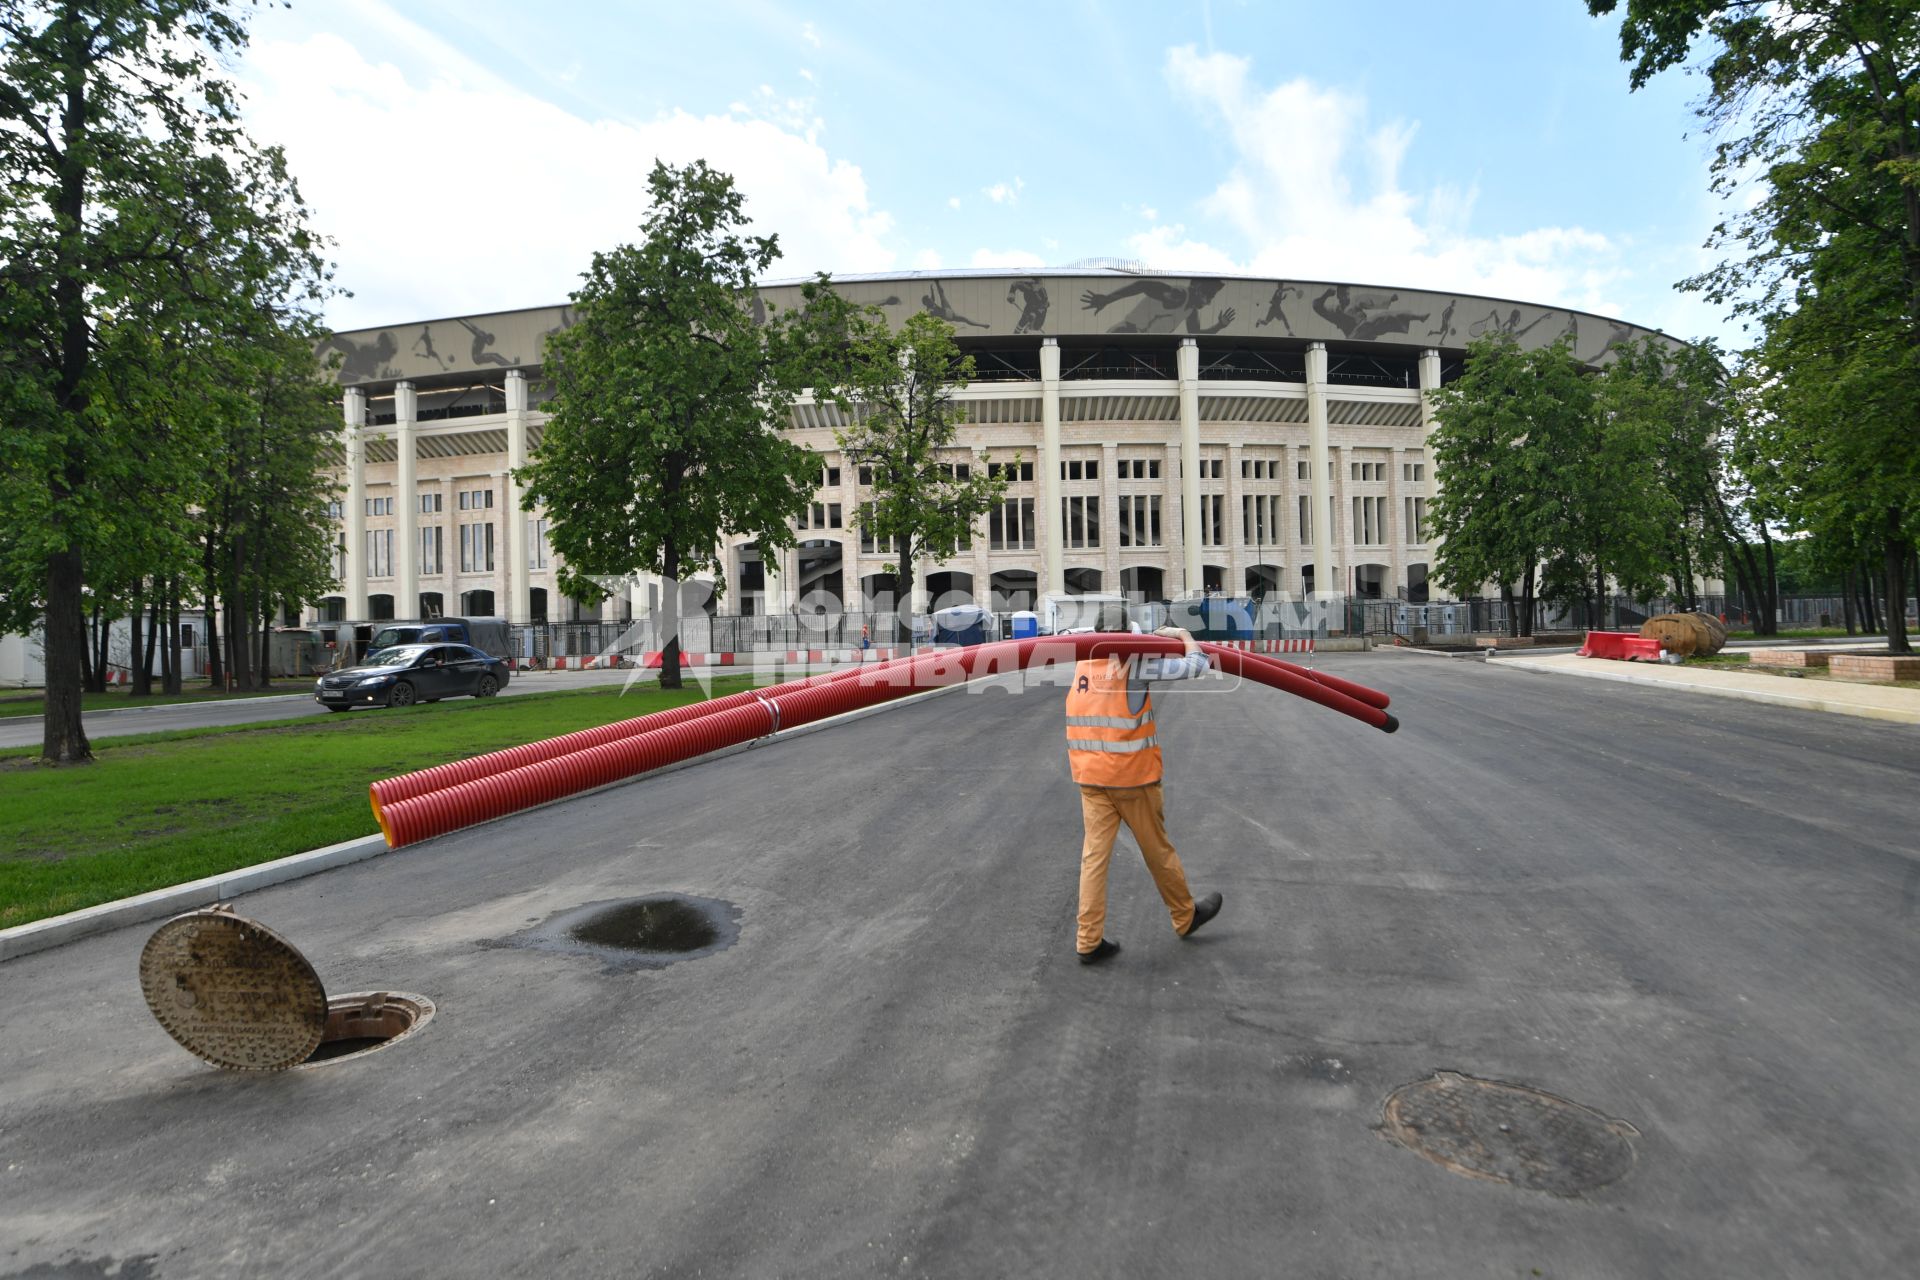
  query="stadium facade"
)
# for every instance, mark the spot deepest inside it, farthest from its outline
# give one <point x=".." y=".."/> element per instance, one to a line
<point x="1175" y="434"/>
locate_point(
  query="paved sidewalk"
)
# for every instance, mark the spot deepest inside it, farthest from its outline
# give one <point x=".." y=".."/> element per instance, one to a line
<point x="1874" y="701"/>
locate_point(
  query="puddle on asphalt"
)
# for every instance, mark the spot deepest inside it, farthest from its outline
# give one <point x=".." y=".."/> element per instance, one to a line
<point x="625" y="934"/>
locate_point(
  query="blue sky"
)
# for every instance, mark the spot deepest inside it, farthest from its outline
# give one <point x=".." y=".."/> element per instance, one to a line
<point x="471" y="156"/>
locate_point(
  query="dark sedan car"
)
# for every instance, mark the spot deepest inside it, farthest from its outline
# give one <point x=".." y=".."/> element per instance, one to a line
<point x="410" y="673"/>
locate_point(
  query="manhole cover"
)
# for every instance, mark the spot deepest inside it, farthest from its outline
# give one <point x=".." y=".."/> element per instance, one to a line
<point x="233" y="992"/>
<point x="1509" y="1133"/>
<point x="636" y="933"/>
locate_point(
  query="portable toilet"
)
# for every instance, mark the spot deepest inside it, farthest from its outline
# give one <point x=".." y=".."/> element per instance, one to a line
<point x="1026" y="624"/>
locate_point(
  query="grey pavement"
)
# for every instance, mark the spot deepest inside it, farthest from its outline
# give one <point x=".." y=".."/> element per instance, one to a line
<point x="1697" y="916"/>
<point x="25" y="731"/>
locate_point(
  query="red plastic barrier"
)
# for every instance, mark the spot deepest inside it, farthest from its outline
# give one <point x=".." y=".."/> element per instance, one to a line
<point x="546" y="771"/>
<point x="1624" y="645"/>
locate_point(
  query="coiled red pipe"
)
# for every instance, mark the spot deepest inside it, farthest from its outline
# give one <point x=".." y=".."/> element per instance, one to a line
<point x="546" y="771"/>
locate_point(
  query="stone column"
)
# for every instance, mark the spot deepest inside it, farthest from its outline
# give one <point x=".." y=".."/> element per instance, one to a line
<point x="1319" y="503"/>
<point x="503" y="557"/>
<point x="1429" y="383"/>
<point x="354" y="440"/>
<point x="519" y="602"/>
<point x="1054" y="578"/>
<point x="1110" y="517"/>
<point x="406" y="506"/>
<point x="1233" y="514"/>
<point x="1188" y="367"/>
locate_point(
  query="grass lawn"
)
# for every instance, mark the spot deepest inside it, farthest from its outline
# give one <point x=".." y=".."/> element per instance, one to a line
<point x="163" y="808"/>
<point x="1717" y="660"/>
<point x="30" y="702"/>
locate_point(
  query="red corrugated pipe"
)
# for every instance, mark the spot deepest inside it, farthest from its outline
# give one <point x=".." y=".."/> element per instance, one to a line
<point x="548" y="771"/>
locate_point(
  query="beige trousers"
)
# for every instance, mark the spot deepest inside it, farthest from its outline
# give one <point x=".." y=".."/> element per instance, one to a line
<point x="1103" y="809"/>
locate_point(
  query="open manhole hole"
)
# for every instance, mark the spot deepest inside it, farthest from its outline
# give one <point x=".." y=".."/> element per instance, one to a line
<point x="650" y="932"/>
<point x="1509" y="1133"/>
<point x="234" y="993"/>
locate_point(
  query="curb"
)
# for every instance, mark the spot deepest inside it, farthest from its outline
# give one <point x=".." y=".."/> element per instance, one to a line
<point x="58" y="930"/>
<point x="55" y="931"/>
<point x="1797" y="700"/>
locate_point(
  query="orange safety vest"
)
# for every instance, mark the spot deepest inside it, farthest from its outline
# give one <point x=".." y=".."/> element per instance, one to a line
<point x="1108" y="745"/>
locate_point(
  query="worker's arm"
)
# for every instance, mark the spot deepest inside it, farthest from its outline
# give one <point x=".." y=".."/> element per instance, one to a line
<point x="1190" y="664"/>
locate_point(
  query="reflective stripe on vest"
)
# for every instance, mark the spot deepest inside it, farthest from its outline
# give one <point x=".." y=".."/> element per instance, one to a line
<point x="1108" y="743"/>
<point x="1119" y="748"/>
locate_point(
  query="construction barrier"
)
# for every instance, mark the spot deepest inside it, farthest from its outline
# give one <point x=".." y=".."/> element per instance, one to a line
<point x="1622" y="645"/>
<point x="432" y="802"/>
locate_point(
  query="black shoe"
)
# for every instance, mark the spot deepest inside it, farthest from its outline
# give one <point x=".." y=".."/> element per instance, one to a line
<point x="1100" y="952"/>
<point x="1203" y="910"/>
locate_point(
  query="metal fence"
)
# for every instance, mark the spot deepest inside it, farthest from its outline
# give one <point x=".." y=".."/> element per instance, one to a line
<point x="1273" y="619"/>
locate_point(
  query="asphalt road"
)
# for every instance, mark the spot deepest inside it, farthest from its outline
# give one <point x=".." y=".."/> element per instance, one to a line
<point x="1694" y="915"/>
<point x="25" y="731"/>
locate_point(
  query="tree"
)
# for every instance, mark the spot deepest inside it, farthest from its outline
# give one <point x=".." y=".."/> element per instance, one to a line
<point x="668" y="398"/>
<point x="1815" y="99"/>
<point x="1488" y="516"/>
<point x="897" y="390"/>
<point x="1678" y="400"/>
<point x="123" y="168"/>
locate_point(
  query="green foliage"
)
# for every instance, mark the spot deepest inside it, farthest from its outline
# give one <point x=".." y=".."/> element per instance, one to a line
<point x="136" y="220"/>
<point x="1588" y="480"/>
<point x="897" y="391"/>
<point x="668" y="396"/>
<point x="1814" y="103"/>
<point x="1490" y="515"/>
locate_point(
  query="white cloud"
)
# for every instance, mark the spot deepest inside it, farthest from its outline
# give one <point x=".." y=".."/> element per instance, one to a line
<point x="1150" y="213"/>
<point x="1314" y="190"/>
<point x="450" y="189"/>
<point x="1005" y="193"/>
<point x="808" y="34"/>
<point x="927" y="260"/>
<point x="953" y="202"/>
<point x="1019" y="259"/>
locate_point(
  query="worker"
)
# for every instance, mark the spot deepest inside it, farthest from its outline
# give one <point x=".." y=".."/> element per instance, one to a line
<point x="1115" y="757"/>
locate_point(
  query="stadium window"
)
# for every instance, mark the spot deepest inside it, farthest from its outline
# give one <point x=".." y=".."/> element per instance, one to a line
<point x="833" y="515"/>
<point x="380" y="553"/>
<point x="866" y="476"/>
<point x="538" y="546"/>
<point x="430" y="549"/>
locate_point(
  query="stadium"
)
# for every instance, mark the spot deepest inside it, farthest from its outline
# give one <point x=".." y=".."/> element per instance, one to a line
<point x="1176" y="435"/>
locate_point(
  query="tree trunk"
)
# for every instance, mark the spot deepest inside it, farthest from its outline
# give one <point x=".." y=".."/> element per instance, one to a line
<point x="1870" y="617"/>
<point x="98" y="628"/>
<point x="216" y="661"/>
<point x="139" y="677"/>
<point x="264" y="666"/>
<point x="1512" y="607"/>
<point x="63" y="739"/>
<point x="239" y="619"/>
<point x="903" y="602"/>
<point x="1894" y="558"/>
<point x="670" y="614"/>
<point x="1768" y="623"/>
<point x="171" y="661"/>
<point x="1529" y="584"/>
